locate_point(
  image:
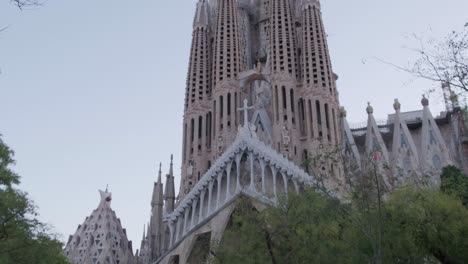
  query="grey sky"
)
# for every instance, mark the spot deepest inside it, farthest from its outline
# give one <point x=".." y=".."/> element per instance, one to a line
<point x="91" y="92"/>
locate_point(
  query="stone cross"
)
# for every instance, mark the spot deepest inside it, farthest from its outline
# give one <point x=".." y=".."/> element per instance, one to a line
<point x="246" y="109"/>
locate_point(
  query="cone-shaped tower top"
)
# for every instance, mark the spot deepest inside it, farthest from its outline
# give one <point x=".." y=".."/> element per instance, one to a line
<point x="100" y="238"/>
<point x="202" y="14"/>
<point x="169" y="194"/>
<point x="158" y="191"/>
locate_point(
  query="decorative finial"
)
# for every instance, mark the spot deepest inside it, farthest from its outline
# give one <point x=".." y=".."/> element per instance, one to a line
<point x="107" y="188"/>
<point x="343" y="112"/>
<point x="396" y="105"/>
<point x="160" y="173"/>
<point x="171" y="167"/>
<point x="369" y="109"/>
<point x="425" y="101"/>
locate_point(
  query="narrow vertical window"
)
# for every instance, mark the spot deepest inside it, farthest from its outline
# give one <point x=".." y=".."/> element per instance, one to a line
<point x="283" y="93"/>
<point x="235" y="109"/>
<point x="276" y="104"/>
<point x="214" y="119"/>
<point x="185" y="143"/>
<point x="291" y="93"/>
<point x="327" y="119"/>
<point x="311" y="119"/>
<point x="335" y="125"/>
<point x="229" y="104"/>
<point x="200" y="127"/>
<point x="319" y="113"/>
<point x="221" y="107"/>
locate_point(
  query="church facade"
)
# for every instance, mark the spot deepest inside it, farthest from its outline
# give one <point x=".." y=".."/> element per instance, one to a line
<point x="262" y="119"/>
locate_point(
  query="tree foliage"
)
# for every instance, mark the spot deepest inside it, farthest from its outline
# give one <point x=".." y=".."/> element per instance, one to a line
<point x="415" y="225"/>
<point x="23" y="238"/>
<point x="454" y="182"/>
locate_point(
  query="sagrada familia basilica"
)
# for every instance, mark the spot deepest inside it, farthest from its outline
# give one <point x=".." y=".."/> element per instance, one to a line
<point x="263" y="119"/>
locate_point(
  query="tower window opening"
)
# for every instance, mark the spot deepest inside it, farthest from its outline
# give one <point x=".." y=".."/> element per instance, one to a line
<point x="192" y="130"/>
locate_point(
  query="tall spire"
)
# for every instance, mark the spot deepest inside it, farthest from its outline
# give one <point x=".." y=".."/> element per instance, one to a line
<point x="157" y="204"/>
<point x="171" y="168"/>
<point x="198" y="94"/>
<point x="169" y="195"/>
<point x="159" y="174"/>
<point x="283" y="41"/>
<point x="226" y="43"/>
<point x="202" y="14"/>
<point x="158" y="191"/>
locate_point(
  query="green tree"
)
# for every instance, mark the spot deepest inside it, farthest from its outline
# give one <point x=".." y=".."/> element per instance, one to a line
<point x="23" y="238"/>
<point x="412" y="225"/>
<point x="425" y="226"/>
<point x="292" y="232"/>
<point x="454" y="182"/>
<point x="245" y="239"/>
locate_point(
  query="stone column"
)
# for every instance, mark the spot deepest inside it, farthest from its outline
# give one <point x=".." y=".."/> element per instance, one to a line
<point x="262" y="165"/>
<point x="252" y="185"/>
<point x="238" y="158"/>
<point x="218" y="194"/>
<point x="194" y="206"/>
<point x="210" y="194"/>
<point x="186" y="227"/>
<point x="202" y="199"/>
<point x="228" y="181"/>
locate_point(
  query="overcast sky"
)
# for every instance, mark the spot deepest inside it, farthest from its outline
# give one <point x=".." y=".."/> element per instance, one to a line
<point x="91" y="92"/>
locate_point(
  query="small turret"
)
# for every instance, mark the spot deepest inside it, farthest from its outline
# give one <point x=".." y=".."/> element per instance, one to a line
<point x="169" y="194"/>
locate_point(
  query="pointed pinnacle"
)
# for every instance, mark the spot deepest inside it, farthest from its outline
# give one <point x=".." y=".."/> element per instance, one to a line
<point x="144" y="230"/>
<point x="171" y="170"/>
<point x="160" y="173"/>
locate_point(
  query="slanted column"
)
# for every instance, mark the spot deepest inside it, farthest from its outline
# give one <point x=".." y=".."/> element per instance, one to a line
<point x="273" y="170"/>
<point x="262" y="165"/>
<point x="178" y="227"/>
<point x="286" y="185"/>
<point x="252" y="184"/>
<point x="285" y="180"/>
<point x="194" y="207"/>
<point x="296" y="186"/>
<point x="210" y="194"/>
<point x="218" y="194"/>
<point x="186" y="227"/>
<point x="202" y="199"/>
<point x="228" y="181"/>
<point x="171" y="232"/>
<point x="238" y="158"/>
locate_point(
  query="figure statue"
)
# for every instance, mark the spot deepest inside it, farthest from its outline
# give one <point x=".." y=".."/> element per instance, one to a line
<point x="190" y="168"/>
<point x="285" y="136"/>
<point x="220" y="145"/>
<point x="259" y="67"/>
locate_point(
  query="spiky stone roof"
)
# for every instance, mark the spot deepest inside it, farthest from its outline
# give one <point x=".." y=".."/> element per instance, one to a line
<point x="101" y="238"/>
